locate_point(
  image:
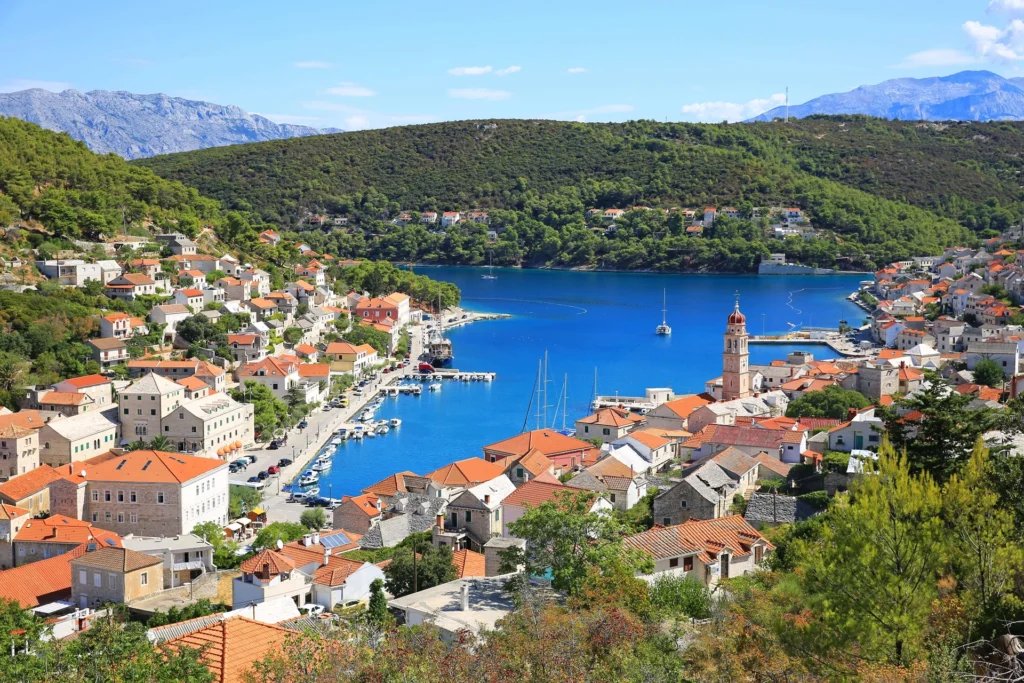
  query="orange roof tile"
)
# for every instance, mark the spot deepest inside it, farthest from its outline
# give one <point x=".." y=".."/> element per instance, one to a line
<point x="534" y="493"/>
<point x="705" y="538"/>
<point x="10" y="512"/>
<point x="547" y="441"/>
<point x="467" y="472"/>
<point x="153" y="467"/>
<point x="390" y="485"/>
<point x="686" y="405"/>
<point x="278" y="563"/>
<point x="193" y="383"/>
<point x="39" y="583"/>
<point x="230" y="647"/>
<point x="613" y="417"/>
<point x="24" y="485"/>
<point x="62" y="529"/>
<point x="468" y="563"/>
<point x="649" y="439"/>
<point x="88" y="381"/>
<point x="366" y="503"/>
<point x="63" y="398"/>
<point x="773" y="464"/>
<point x="322" y="370"/>
<point x="336" y="571"/>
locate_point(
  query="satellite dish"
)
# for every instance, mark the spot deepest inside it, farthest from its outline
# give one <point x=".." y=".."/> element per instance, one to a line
<point x="280" y="544"/>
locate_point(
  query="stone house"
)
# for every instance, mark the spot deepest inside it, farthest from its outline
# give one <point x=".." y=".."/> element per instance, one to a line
<point x="40" y="539"/>
<point x="474" y="516"/>
<point x="358" y="513"/>
<point x="19" y="451"/>
<point x="11" y="520"/>
<point x="608" y="424"/>
<point x="68" y="440"/>
<point x="108" y="352"/>
<point x="114" y="575"/>
<point x="622" y="492"/>
<point x="30" y="491"/>
<point x="706" y="492"/>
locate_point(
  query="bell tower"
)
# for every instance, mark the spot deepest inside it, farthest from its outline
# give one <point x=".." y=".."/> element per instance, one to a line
<point x="736" y="357"/>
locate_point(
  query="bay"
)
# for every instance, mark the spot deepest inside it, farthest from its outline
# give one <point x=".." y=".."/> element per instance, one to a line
<point x="584" y="320"/>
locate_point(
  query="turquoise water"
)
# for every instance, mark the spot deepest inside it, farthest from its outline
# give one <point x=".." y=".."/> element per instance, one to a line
<point x="584" y="321"/>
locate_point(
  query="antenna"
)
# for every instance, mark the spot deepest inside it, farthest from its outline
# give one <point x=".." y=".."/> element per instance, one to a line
<point x="787" y="104"/>
<point x="280" y="544"/>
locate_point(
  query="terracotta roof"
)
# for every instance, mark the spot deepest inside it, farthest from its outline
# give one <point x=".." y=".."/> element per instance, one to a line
<point x="367" y="349"/>
<point x="390" y="485"/>
<point x="118" y="559"/>
<point x="302" y="555"/>
<point x="268" y="367"/>
<point x="336" y="571"/>
<point x="736" y="436"/>
<point x="981" y="391"/>
<point x="278" y="562"/>
<point x="39" y="583"/>
<point x="111" y="317"/>
<point x="63" y="398"/>
<point x="314" y="370"/>
<point x="467" y="472"/>
<point x="230" y="647"/>
<point x="88" y="381"/>
<point x="24" y="485"/>
<point x="705" y="538"/>
<point x="62" y="529"/>
<point x="137" y="279"/>
<point x="817" y="422"/>
<point x="468" y="563"/>
<point x="534" y="493"/>
<point x="684" y="406"/>
<point x="611" y="467"/>
<point x="192" y="293"/>
<point x="910" y="374"/>
<point x="13" y="431"/>
<point x="366" y="503"/>
<point x="193" y="383"/>
<point x="613" y="417"/>
<point x="533" y="462"/>
<point x="306" y="349"/>
<point x="887" y="354"/>
<point x="107" y="343"/>
<point x="341" y="347"/>
<point x="262" y="303"/>
<point x="10" y="512"/>
<point x="648" y="439"/>
<point x="145" y="466"/>
<point x="547" y="441"/>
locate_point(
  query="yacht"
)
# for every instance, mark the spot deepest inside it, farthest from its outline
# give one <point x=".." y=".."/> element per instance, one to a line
<point x="490" y="269"/>
<point x="395" y="422"/>
<point x="663" y="328"/>
<point x="370" y="433"/>
<point x="336" y="441"/>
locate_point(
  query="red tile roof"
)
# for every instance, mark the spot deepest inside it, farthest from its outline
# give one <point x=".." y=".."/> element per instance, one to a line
<point x="336" y="571"/>
<point x="42" y="582"/>
<point x="390" y="485"/>
<point x="534" y="493"/>
<point x="230" y="647"/>
<point x="153" y="467"/>
<point x="88" y="381"/>
<point x="467" y="472"/>
<point x="705" y="538"/>
<point x="612" y="417"/>
<point x="684" y="406"/>
<point x="468" y="563"/>
<point x="736" y="436"/>
<point x="24" y="485"/>
<point x="278" y="563"/>
<point x="547" y="441"/>
<point x="62" y="529"/>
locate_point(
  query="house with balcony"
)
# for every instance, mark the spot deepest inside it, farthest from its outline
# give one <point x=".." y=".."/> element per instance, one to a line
<point x="109" y="352"/>
<point x="474" y="516"/>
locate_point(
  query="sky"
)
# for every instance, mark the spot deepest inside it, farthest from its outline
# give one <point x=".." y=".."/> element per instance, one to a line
<point x="356" y="65"/>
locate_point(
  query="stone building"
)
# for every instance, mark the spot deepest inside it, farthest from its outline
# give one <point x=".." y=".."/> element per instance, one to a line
<point x="116" y="575"/>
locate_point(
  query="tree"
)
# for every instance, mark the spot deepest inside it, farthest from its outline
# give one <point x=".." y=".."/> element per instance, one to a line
<point x="943" y="437"/>
<point x="292" y="335"/>
<point x="988" y="372"/>
<point x="433" y="566"/>
<point x="313" y="519"/>
<point x="242" y="499"/>
<point x="872" y="575"/>
<point x="566" y="540"/>
<point x="833" y="401"/>
<point x="161" y="443"/>
<point x="286" y="532"/>
<point x="681" y="595"/>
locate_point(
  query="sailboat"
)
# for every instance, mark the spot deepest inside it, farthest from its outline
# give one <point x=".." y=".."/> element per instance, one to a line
<point x="663" y="328"/>
<point x="490" y="268"/>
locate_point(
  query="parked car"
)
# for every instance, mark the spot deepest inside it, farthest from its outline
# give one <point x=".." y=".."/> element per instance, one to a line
<point x="255" y="479"/>
<point x="318" y="502"/>
<point x="284" y="462"/>
<point x="334" y="505"/>
<point x="251" y="458"/>
<point x="274" y="445"/>
<point x="262" y="476"/>
<point x="273" y="469"/>
<point x="312" y="610"/>
<point x="241" y="463"/>
<point x="232" y="468"/>
<point x="303" y="424"/>
<point x="328" y="407"/>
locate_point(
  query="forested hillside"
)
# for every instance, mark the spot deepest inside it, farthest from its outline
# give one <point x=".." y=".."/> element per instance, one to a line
<point x="881" y="190"/>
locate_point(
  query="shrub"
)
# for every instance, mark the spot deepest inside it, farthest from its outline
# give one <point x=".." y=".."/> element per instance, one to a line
<point x="683" y="594"/>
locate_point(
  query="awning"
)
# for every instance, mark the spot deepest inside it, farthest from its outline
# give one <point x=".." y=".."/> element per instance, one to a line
<point x="192" y="564"/>
<point x="234" y="526"/>
<point x="244" y="521"/>
<point x="53" y="607"/>
<point x="257" y="511"/>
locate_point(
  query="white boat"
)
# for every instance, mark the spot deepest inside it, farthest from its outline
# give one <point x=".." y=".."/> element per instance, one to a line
<point x="395" y="422"/>
<point x="466" y="378"/>
<point x="436" y="386"/>
<point x="663" y="328"/>
<point x="311" y="493"/>
<point x="336" y="441"/>
<point x="321" y="466"/>
<point x="308" y="478"/>
<point x="383" y="429"/>
<point x="366" y="415"/>
<point x="381" y="423"/>
<point x="490" y="269"/>
<point x="357" y="435"/>
<point x="370" y="433"/>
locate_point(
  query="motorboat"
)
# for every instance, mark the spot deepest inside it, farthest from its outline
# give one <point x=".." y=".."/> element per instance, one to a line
<point x="370" y="433"/>
<point x="466" y="378"/>
<point x="308" y="478"/>
<point x="321" y="466"/>
<point x="395" y="422"/>
<point x="436" y="386"/>
<point x="366" y="415"/>
<point x="383" y="429"/>
<point x="312" y="493"/>
<point x="382" y="423"/>
<point x="336" y="441"/>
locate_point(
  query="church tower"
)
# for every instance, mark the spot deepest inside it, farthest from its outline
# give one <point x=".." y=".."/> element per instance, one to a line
<point x="736" y="357"/>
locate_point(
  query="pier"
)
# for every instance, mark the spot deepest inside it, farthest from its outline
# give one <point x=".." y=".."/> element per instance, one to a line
<point x="839" y="345"/>
<point x="449" y="373"/>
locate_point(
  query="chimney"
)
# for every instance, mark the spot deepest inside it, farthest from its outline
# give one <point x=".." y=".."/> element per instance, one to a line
<point x="316" y="538"/>
<point x="327" y="556"/>
<point x="464" y="598"/>
<point x="307" y="540"/>
<point x="266" y="571"/>
<point x="487" y="498"/>
<point x="851" y="413"/>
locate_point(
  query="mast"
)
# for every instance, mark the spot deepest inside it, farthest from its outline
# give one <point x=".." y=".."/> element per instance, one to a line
<point x="565" y="398"/>
<point x="545" y="387"/>
<point x="593" y="396"/>
<point x="663" y="309"/>
<point x="539" y="393"/>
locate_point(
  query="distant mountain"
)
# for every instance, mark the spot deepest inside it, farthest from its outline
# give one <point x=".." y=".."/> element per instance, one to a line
<point x="136" y="126"/>
<point x="964" y="96"/>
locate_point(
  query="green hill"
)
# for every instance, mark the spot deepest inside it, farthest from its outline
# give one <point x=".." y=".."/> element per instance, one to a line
<point x="880" y="190"/>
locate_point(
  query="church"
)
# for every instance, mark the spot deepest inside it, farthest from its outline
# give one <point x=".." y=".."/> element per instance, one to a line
<point x="735" y="381"/>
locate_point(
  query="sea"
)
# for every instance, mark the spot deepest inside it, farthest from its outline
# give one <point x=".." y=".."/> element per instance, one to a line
<point x="597" y="331"/>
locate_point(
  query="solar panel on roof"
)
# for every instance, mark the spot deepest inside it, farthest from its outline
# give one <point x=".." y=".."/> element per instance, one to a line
<point x="110" y="542"/>
<point x="335" y="540"/>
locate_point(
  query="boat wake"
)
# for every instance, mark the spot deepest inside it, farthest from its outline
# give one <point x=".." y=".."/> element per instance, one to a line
<point x="533" y="301"/>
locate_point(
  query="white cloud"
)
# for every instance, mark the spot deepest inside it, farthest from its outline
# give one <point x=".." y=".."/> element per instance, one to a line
<point x="15" y="84"/>
<point x="508" y="70"/>
<point x="321" y="105"/>
<point x="1006" y="6"/>
<point x="313" y="64"/>
<point x="347" y="89"/>
<point x="478" y="94"/>
<point x="470" y="70"/>
<point x="577" y="70"/>
<point x="992" y="42"/>
<point x="937" y="57"/>
<point x="732" y="111"/>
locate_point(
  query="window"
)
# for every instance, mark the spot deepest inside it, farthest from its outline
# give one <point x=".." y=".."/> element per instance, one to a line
<point x="613" y="497"/>
<point x="682" y="504"/>
<point x="95" y="516"/>
<point x="666" y="521"/>
<point x="160" y="497"/>
<point x="687" y="564"/>
<point x="120" y="496"/>
<point x="97" y="580"/>
<point x="135" y="518"/>
<point x="724" y="561"/>
<point x="674" y="562"/>
<point x="132" y="497"/>
<point x="95" y="496"/>
<point x="144" y="579"/>
<point x="758" y="554"/>
<point x="106" y="496"/>
<point x="125" y="411"/>
<point x="497" y="515"/>
<point x="83" y="577"/>
<point x="120" y="518"/>
<point x="469" y="516"/>
<point x="519" y="472"/>
<point x="106" y="516"/>
<point x="606" y="431"/>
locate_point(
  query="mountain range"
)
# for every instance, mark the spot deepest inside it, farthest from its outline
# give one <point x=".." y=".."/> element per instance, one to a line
<point x="135" y="126"/>
<point x="963" y="96"/>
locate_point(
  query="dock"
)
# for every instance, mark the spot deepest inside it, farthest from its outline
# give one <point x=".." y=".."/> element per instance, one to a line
<point x="449" y="373"/>
<point x="841" y="347"/>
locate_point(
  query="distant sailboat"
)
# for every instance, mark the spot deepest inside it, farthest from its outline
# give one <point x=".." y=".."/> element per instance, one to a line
<point x="663" y="328"/>
<point x="490" y="268"/>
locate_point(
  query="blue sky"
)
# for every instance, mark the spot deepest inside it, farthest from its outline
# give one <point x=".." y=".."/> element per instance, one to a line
<point x="378" y="63"/>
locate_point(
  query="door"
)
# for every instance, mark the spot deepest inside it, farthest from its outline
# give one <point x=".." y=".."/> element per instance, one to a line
<point x="858" y="441"/>
<point x="725" y="566"/>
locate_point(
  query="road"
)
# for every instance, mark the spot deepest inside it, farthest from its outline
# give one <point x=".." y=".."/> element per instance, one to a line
<point x="304" y="444"/>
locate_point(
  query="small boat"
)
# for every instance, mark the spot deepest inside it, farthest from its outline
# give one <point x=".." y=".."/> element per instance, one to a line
<point x="366" y="415"/>
<point x="308" y="478"/>
<point x="357" y="435"/>
<point x="382" y="423"/>
<point x="466" y="378"/>
<point x="663" y="329"/>
<point x="383" y="429"/>
<point x="436" y="386"/>
<point x="490" y="269"/>
<point x="336" y="441"/>
<point x="370" y="433"/>
<point x="313" y="492"/>
<point x="321" y="466"/>
<point x="395" y="422"/>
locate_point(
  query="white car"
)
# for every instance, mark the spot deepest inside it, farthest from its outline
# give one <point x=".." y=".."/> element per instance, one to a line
<point x="312" y="610"/>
